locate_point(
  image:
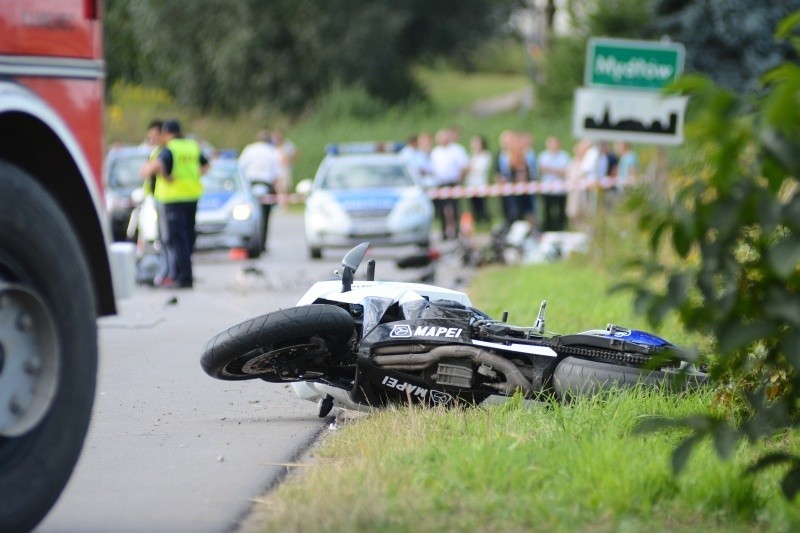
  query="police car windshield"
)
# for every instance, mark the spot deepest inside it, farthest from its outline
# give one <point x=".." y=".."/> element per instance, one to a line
<point x="124" y="171"/>
<point x="221" y="178"/>
<point x="366" y="176"/>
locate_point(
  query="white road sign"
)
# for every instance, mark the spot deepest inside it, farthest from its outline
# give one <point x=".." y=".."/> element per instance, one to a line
<point x="632" y="116"/>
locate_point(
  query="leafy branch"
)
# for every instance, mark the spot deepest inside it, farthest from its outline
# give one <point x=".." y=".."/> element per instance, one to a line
<point x="733" y="231"/>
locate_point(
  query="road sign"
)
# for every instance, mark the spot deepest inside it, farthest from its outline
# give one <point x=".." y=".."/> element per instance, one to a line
<point x="633" y="116"/>
<point x="629" y="64"/>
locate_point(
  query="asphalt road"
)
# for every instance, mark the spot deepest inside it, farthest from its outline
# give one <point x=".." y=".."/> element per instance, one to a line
<point x="169" y="448"/>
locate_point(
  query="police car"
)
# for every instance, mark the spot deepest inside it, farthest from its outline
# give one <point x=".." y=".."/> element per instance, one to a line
<point x="228" y="215"/>
<point x="366" y="192"/>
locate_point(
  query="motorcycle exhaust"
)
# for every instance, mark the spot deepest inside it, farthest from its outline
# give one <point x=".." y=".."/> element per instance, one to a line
<point x="514" y="379"/>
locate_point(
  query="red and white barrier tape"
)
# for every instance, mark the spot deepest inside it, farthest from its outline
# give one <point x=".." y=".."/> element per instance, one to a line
<point x="481" y="191"/>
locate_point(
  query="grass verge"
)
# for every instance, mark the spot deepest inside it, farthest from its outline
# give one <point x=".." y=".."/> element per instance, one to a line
<point x="549" y="467"/>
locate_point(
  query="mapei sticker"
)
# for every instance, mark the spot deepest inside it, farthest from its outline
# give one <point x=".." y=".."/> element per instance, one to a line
<point x="401" y="331"/>
<point x="404" y="331"/>
<point x="440" y="397"/>
<point x="435" y="396"/>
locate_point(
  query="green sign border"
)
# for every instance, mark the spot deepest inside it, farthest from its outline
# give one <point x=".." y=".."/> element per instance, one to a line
<point x="678" y="48"/>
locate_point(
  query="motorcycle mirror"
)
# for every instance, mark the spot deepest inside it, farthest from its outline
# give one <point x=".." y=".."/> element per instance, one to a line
<point x="353" y="258"/>
<point x="350" y="264"/>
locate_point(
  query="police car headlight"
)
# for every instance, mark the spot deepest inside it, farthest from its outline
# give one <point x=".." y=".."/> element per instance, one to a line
<point x="327" y="211"/>
<point x="242" y="212"/>
<point x="414" y="209"/>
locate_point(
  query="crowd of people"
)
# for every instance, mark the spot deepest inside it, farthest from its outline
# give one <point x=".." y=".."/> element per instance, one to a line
<point x="566" y="198"/>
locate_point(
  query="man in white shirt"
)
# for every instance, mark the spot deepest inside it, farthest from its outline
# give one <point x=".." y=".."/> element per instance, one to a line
<point x="449" y="164"/>
<point x="261" y="164"/>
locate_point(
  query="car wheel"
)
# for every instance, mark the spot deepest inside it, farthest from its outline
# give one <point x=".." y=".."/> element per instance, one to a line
<point x="315" y="253"/>
<point x="48" y="350"/>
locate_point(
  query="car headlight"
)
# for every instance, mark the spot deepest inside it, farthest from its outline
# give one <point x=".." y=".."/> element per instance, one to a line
<point x="415" y="209"/>
<point x="326" y="210"/>
<point x="242" y="211"/>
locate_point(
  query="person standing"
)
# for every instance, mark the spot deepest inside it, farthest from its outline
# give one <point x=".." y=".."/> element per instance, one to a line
<point x="449" y="162"/>
<point x="553" y="163"/>
<point x="576" y="188"/>
<point x="288" y="156"/>
<point x="628" y="166"/>
<point x="419" y="158"/>
<point x="591" y="165"/>
<point x="514" y="167"/>
<point x="155" y="141"/>
<point x="178" y="167"/>
<point x="528" y="203"/>
<point x="480" y="162"/>
<point x="261" y="164"/>
<point x="503" y="174"/>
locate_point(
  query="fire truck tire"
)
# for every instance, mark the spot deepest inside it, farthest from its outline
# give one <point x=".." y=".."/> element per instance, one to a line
<point x="47" y="319"/>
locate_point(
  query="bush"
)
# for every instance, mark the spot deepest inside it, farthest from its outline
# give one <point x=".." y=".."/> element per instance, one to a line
<point x="734" y="227"/>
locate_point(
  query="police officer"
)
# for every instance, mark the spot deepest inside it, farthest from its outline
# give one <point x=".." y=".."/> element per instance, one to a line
<point x="179" y="166"/>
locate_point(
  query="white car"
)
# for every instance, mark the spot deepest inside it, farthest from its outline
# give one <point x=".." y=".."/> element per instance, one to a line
<point x="363" y="193"/>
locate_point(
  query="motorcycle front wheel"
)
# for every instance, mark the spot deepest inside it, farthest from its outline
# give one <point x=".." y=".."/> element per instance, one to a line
<point x="295" y="344"/>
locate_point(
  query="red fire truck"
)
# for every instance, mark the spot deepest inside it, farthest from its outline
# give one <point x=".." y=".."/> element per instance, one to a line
<point x="55" y="278"/>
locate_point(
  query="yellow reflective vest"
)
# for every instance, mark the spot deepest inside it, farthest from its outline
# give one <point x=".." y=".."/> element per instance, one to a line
<point x="185" y="185"/>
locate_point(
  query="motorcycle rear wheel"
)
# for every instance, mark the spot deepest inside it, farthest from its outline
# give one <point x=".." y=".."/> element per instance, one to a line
<point x="294" y="344"/>
<point x="582" y="377"/>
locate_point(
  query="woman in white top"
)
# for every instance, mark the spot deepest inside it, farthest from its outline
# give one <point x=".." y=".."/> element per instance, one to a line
<point x="480" y="164"/>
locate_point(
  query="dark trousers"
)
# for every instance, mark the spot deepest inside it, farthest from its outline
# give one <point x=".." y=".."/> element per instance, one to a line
<point x="448" y="213"/>
<point x="265" y="212"/>
<point x="519" y="207"/>
<point x="180" y="240"/>
<point x="555" y="212"/>
<point x="479" y="210"/>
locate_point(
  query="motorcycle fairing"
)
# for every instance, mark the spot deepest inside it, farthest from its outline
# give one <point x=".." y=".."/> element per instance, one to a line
<point x="332" y="290"/>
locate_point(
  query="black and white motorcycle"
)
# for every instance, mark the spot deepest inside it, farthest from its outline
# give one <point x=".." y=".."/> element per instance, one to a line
<point x="365" y="343"/>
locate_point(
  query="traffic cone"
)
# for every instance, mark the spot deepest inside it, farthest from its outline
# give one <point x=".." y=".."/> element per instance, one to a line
<point x="467" y="224"/>
<point x="238" y="253"/>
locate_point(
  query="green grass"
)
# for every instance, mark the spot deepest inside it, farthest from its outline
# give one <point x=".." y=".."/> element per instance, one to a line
<point x="578" y="294"/>
<point x="549" y="467"/>
<point x="456" y="90"/>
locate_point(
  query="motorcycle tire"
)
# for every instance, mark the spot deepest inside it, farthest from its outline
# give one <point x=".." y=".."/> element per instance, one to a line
<point x="582" y="377"/>
<point x="294" y="344"/>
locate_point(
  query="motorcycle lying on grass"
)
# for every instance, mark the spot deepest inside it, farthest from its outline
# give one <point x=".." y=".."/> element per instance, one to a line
<point x="364" y="343"/>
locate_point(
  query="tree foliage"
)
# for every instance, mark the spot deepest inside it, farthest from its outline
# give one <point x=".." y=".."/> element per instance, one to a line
<point x="562" y="65"/>
<point x="734" y="224"/>
<point x="283" y="53"/>
<point x="729" y="41"/>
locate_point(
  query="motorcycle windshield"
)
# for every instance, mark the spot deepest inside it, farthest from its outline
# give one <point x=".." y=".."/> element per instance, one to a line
<point x="374" y="311"/>
<point x="420" y="309"/>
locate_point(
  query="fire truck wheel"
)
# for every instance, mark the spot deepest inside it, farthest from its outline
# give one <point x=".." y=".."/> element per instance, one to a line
<point x="48" y="350"/>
